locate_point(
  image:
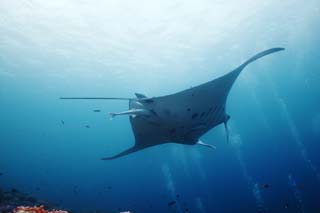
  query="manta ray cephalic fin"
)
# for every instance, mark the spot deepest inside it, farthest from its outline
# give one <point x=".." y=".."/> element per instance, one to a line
<point x="205" y="144"/>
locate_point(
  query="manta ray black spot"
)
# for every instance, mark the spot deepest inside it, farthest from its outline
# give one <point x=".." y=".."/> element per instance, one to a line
<point x="171" y="111"/>
<point x="194" y="115"/>
<point x="215" y="109"/>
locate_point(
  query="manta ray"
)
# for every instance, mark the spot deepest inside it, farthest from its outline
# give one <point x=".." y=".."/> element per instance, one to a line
<point x="182" y="117"/>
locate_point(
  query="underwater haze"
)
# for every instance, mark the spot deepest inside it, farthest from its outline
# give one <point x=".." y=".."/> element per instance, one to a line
<point x="52" y="148"/>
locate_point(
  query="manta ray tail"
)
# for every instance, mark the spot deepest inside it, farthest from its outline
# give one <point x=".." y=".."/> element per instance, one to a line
<point x="257" y="56"/>
<point x="126" y="152"/>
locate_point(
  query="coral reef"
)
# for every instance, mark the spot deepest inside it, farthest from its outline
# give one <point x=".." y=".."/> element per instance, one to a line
<point x="11" y="199"/>
<point x="35" y="209"/>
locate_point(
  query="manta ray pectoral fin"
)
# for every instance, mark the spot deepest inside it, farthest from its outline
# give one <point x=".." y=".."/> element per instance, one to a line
<point x="256" y="57"/>
<point x="121" y="154"/>
<point x="205" y="144"/>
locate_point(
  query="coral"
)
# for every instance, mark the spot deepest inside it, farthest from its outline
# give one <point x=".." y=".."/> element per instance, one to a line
<point x="11" y="199"/>
<point x="35" y="209"/>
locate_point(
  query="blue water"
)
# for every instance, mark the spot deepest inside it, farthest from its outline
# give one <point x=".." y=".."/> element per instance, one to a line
<point x="50" y="49"/>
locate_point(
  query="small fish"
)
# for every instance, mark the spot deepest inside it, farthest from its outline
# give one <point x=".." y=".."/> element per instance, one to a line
<point x="88" y="126"/>
<point x="265" y="186"/>
<point x="97" y="110"/>
<point x="171" y="203"/>
<point x="186" y="209"/>
<point x="178" y="195"/>
<point x="286" y="205"/>
<point x="62" y="121"/>
<point x="1" y="173"/>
